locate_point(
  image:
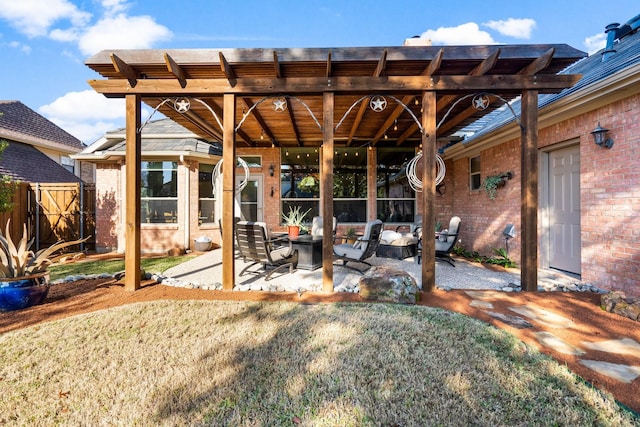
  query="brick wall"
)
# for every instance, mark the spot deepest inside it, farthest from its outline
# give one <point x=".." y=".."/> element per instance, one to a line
<point x="610" y="196"/>
<point x="108" y="207"/>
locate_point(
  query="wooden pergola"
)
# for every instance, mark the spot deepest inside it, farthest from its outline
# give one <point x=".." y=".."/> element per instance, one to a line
<point x="330" y="98"/>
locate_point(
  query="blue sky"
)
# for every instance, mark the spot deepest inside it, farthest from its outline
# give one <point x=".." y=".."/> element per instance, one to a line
<point x="44" y="43"/>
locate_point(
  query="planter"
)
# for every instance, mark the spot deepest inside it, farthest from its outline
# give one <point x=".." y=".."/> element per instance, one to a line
<point x="22" y="292"/>
<point x="294" y="230"/>
<point x="202" y="244"/>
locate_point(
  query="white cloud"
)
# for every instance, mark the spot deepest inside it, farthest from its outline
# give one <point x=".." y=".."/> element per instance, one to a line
<point x="595" y="43"/>
<point x="24" y="48"/>
<point x="122" y="32"/>
<point x="464" y="34"/>
<point x="87" y="115"/>
<point x="35" y="17"/>
<point x="513" y="27"/>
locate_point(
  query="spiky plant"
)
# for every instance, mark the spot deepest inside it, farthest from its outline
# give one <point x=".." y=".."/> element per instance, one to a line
<point x="20" y="260"/>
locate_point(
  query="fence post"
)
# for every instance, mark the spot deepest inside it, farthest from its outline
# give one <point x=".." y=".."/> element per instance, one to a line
<point x="37" y="216"/>
<point x="82" y="214"/>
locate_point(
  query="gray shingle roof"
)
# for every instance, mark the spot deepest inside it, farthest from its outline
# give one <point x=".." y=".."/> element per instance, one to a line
<point x="23" y="162"/>
<point x="153" y="140"/>
<point x="20" y="120"/>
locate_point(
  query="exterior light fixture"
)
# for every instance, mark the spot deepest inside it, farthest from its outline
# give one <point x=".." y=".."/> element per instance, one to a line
<point x="600" y="137"/>
<point x="272" y="169"/>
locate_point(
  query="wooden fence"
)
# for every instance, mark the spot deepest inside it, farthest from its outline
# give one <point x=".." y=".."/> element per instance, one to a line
<point x="52" y="212"/>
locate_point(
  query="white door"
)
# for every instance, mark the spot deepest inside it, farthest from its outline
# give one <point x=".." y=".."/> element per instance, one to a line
<point x="250" y="198"/>
<point x="564" y="209"/>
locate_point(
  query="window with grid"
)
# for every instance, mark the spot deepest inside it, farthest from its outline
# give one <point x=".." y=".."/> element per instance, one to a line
<point x="159" y="192"/>
<point x="474" y="173"/>
<point x="395" y="199"/>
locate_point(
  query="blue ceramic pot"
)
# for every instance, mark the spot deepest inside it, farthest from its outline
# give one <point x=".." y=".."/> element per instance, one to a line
<point x="22" y="292"/>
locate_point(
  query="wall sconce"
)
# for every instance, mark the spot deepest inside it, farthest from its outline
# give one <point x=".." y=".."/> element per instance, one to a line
<point x="272" y="169"/>
<point x="600" y="137"/>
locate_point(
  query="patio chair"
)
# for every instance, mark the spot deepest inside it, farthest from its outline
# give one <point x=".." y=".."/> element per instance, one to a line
<point x="364" y="248"/>
<point x="255" y="246"/>
<point x="445" y="241"/>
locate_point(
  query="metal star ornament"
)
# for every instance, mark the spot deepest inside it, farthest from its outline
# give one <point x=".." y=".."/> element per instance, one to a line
<point x="182" y="105"/>
<point x="481" y="102"/>
<point x="378" y="103"/>
<point x="279" y="104"/>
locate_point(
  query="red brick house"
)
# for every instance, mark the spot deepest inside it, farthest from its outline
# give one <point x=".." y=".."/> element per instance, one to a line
<point x="589" y="195"/>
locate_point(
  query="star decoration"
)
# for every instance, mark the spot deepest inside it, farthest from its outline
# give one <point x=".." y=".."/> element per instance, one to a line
<point x="378" y="103"/>
<point x="182" y="105"/>
<point x="480" y="102"/>
<point x="279" y="104"/>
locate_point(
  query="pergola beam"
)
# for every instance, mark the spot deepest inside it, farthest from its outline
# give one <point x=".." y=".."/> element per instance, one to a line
<point x="125" y="70"/>
<point x="546" y="83"/>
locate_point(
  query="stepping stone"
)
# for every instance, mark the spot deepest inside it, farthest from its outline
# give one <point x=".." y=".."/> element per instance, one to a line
<point x="622" y="373"/>
<point x="481" y="304"/>
<point x="545" y="317"/>
<point x="623" y="346"/>
<point x="482" y="294"/>
<point x="547" y="339"/>
<point x="515" y="321"/>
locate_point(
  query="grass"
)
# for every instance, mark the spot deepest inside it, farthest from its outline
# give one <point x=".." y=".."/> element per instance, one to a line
<point x="153" y="265"/>
<point x="181" y="363"/>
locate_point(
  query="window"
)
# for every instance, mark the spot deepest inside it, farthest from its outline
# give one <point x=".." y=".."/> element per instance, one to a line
<point x="350" y="184"/>
<point x="396" y="200"/>
<point x="300" y="180"/>
<point x="474" y="173"/>
<point x="159" y="192"/>
<point x="253" y="161"/>
<point x="206" y="198"/>
<point x="68" y="163"/>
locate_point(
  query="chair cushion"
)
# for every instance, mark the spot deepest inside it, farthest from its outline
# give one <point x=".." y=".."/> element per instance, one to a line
<point x="405" y="240"/>
<point x="348" y="251"/>
<point x="280" y="253"/>
<point x="389" y="236"/>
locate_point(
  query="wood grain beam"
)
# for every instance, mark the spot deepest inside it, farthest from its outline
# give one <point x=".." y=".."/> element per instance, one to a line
<point x="176" y="70"/>
<point x="276" y="65"/>
<point x="326" y="188"/>
<point x="382" y="63"/>
<point x="544" y="83"/>
<point x="227" y="69"/>
<point x="133" y="155"/>
<point x="529" y="191"/>
<point x="125" y="70"/>
<point x="428" y="194"/>
<point x="228" y="192"/>
<point x="328" y="73"/>
<point x="261" y="121"/>
<point x="539" y="63"/>
<point x="240" y="133"/>
<point x="294" y="124"/>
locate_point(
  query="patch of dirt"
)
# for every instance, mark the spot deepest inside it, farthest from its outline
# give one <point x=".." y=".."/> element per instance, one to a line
<point x="591" y="323"/>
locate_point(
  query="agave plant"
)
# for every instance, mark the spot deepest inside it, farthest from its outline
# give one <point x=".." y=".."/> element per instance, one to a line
<point x="20" y="260"/>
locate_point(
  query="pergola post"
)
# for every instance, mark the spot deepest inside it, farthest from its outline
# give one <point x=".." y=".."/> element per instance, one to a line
<point x="428" y="195"/>
<point x="326" y="181"/>
<point x="228" y="189"/>
<point x="133" y="154"/>
<point x="529" y="191"/>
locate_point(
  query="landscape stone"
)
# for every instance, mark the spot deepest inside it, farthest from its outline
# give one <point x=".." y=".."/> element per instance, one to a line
<point x="386" y="284"/>
<point x="617" y="302"/>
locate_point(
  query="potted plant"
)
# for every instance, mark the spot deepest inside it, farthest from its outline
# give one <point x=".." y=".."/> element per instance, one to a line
<point x="351" y="236"/>
<point x="293" y="220"/>
<point x="24" y="275"/>
<point x="491" y="183"/>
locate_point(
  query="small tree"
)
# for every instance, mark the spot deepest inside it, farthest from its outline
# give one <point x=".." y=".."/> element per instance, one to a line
<point x="7" y="185"/>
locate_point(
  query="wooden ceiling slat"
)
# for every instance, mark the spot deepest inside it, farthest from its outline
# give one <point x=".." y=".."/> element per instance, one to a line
<point x="176" y="70"/>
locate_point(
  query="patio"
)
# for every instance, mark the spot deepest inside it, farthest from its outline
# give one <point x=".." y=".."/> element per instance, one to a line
<point x="205" y="271"/>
